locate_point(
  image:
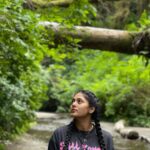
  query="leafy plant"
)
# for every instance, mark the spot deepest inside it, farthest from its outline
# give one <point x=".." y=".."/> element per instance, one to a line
<point x="22" y="79"/>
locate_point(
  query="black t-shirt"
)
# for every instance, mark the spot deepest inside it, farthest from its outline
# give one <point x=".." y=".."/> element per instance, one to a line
<point x="80" y="140"/>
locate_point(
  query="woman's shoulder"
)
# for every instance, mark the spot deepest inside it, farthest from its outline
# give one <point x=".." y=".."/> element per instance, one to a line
<point x="61" y="130"/>
<point x="108" y="140"/>
<point x="106" y="134"/>
<point x="57" y="137"/>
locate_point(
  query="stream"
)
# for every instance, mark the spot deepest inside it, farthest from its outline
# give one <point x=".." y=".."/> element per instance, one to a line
<point x="38" y="136"/>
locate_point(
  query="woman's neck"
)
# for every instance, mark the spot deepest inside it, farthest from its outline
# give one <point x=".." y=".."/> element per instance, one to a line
<point x="84" y="125"/>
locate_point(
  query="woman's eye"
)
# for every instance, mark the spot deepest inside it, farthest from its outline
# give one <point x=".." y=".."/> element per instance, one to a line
<point x="79" y="101"/>
<point x="73" y="100"/>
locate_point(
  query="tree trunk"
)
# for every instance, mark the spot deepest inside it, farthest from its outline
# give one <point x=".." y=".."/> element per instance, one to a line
<point x="44" y="3"/>
<point x="104" y="39"/>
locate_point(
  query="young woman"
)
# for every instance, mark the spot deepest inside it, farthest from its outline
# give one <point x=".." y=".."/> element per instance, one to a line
<point x="84" y="132"/>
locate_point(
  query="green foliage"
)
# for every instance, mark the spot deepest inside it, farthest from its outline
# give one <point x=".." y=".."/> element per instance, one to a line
<point x="18" y="102"/>
<point x="142" y="24"/>
<point x="76" y="13"/>
<point x="2" y="147"/>
<point x="116" y="79"/>
<point x="20" y="41"/>
<point x="120" y="85"/>
<point x="22" y="79"/>
<point x="14" y="109"/>
<point x="36" y="83"/>
<point x="118" y="14"/>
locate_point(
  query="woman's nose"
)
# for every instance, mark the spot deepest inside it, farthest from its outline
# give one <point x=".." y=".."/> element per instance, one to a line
<point x="74" y="103"/>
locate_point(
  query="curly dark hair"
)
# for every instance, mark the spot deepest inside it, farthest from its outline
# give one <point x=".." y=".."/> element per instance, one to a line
<point x="93" y="102"/>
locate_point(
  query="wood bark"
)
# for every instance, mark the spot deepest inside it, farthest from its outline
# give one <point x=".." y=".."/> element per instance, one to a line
<point x="44" y="3"/>
<point x="103" y="39"/>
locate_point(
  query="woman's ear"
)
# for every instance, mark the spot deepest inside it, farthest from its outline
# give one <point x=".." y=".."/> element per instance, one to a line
<point x="92" y="109"/>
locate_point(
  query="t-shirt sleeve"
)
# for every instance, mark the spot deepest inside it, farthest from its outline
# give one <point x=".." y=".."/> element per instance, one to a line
<point x="53" y="142"/>
<point x="110" y="145"/>
<point x="108" y="140"/>
<point x="56" y="141"/>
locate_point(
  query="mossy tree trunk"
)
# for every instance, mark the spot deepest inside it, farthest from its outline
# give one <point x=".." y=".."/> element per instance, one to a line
<point x="46" y="3"/>
<point x="104" y="39"/>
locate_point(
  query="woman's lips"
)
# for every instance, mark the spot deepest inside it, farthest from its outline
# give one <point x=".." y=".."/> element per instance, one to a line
<point x="73" y="110"/>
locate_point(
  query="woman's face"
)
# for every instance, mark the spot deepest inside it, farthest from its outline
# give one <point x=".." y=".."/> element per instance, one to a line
<point x="80" y="106"/>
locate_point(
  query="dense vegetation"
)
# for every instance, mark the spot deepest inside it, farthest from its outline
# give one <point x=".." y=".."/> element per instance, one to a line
<point x="22" y="78"/>
<point x="32" y="67"/>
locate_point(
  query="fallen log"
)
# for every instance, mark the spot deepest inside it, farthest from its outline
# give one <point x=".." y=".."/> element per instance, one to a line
<point x="46" y="3"/>
<point x="120" y="41"/>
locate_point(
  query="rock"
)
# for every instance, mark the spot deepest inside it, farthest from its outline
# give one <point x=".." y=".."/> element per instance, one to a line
<point x="129" y="134"/>
<point x="145" y="139"/>
<point x="125" y="132"/>
<point x="119" y="125"/>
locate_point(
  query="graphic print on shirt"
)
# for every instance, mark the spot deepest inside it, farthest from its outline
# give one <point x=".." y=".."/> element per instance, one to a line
<point x="75" y="146"/>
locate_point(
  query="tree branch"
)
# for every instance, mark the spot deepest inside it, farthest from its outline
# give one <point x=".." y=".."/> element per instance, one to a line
<point x="46" y="3"/>
<point x="104" y="39"/>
